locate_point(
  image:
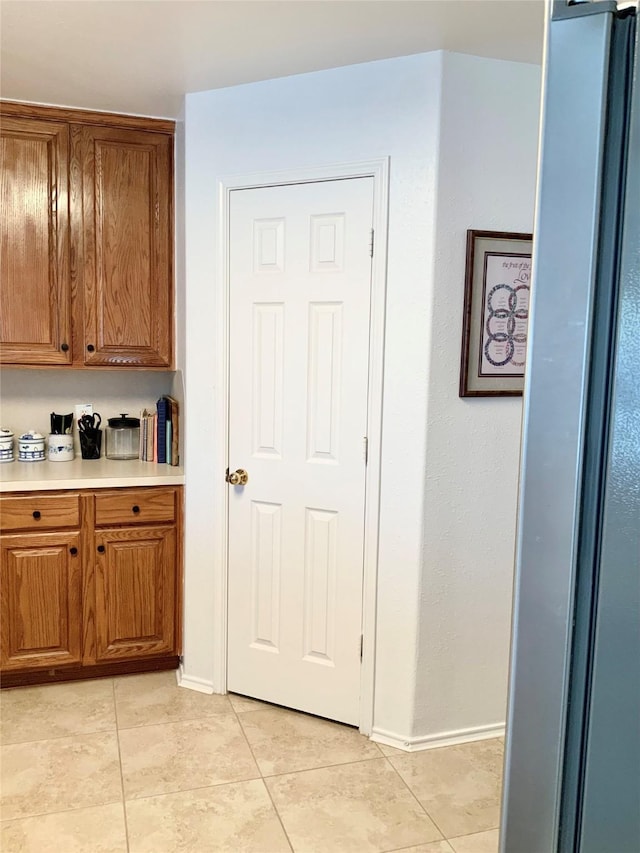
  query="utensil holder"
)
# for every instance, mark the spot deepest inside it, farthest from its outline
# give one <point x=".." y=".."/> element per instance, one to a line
<point x="91" y="444"/>
<point x="60" y="448"/>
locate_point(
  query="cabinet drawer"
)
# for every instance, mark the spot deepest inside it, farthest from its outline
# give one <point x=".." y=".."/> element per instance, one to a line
<point x="135" y="506"/>
<point x="38" y="511"/>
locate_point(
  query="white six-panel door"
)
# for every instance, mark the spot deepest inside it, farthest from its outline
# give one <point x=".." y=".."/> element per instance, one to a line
<point x="300" y="277"/>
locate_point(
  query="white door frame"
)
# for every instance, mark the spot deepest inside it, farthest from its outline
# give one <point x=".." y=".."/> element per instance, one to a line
<point x="379" y="171"/>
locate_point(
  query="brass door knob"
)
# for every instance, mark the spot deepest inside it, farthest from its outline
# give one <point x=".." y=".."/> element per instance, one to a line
<point x="238" y="478"/>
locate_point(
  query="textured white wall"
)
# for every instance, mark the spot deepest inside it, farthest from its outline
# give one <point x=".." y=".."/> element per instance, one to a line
<point x="486" y="180"/>
<point x="434" y="495"/>
<point x="362" y="112"/>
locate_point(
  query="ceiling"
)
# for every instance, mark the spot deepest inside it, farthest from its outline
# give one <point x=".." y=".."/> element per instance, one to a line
<point x="142" y="56"/>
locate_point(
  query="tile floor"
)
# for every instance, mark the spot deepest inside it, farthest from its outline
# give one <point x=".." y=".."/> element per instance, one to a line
<point x="138" y="764"/>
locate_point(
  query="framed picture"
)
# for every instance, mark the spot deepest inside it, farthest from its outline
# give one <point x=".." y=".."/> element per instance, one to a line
<point x="496" y="314"/>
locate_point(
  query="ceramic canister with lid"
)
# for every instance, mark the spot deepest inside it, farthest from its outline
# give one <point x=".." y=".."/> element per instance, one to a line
<point x="123" y="437"/>
<point x="6" y="445"/>
<point x="31" y="447"/>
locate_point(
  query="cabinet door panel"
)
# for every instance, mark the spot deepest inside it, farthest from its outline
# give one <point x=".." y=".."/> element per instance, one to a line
<point x="128" y="286"/>
<point x="135" y="592"/>
<point x="35" y="288"/>
<point x="41" y="600"/>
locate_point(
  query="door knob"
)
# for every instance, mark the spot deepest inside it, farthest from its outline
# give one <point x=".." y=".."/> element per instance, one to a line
<point x="238" y="478"/>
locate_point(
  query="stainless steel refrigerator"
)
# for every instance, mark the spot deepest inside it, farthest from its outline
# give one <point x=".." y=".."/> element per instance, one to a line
<point x="572" y="762"/>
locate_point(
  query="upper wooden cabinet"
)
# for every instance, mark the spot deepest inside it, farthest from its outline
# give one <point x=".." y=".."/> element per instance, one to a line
<point x="127" y="250"/>
<point x="87" y="272"/>
<point x="35" y="286"/>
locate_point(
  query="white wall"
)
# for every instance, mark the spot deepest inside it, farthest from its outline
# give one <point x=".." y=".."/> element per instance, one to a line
<point x="486" y="180"/>
<point x="29" y="396"/>
<point x="363" y="112"/>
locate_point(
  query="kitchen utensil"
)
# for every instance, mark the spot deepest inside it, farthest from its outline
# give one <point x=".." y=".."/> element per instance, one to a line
<point x="89" y="423"/>
<point x="61" y="424"/>
<point x="60" y="448"/>
<point x="123" y="437"/>
<point x="6" y="445"/>
<point x="31" y="447"/>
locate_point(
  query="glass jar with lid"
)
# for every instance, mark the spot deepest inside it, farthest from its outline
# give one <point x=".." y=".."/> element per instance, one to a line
<point x="123" y="437"/>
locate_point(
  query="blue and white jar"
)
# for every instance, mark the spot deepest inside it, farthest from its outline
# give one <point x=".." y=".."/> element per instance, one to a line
<point x="60" y="448"/>
<point x="31" y="447"/>
<point x="6" y="445"/>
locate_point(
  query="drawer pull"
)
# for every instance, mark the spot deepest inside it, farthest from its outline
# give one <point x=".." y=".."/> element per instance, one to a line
<point x="73" y="551"/>
<point x="135" y="508"/>
<point x="36" y="514"/>
<point x="101" y="549"/>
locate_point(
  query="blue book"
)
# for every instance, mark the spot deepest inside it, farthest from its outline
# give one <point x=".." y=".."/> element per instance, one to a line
<point x="162" y="408"/>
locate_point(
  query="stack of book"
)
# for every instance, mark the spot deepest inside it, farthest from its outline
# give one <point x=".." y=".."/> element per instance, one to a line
<point x="160" y="432"/>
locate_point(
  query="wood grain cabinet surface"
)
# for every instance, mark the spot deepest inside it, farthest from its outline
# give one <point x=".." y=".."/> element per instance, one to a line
<point x="35" y="284"/>
<point x="135" y="592"/>
<point x="40" y="601"/>
<point x="87" y="240"/>
<point x="104" y="598"/>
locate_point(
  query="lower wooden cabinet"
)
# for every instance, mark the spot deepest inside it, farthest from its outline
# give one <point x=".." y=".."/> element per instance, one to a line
<point x="103" y="597"/>
<point x="41" y="600"/>
<point x="135" y="592"/>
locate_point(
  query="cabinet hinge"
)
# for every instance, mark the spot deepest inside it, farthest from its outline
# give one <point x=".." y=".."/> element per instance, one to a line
<point x="361" y="645"/>
<point x="371" y="244"/>
<point x="366" y="450"/>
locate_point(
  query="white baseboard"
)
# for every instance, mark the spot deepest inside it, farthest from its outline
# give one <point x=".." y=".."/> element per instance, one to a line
<point x="193" y="683"/>
<point x="415" y="744"/>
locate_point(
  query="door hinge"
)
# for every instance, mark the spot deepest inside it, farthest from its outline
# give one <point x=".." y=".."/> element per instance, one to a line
<point x="366" y="450"/>
<point x="361" y="644"/>
<point x="371" y="244"/>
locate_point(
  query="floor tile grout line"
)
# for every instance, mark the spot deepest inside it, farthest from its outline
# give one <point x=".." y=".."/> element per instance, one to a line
<point x="124" y="801"/>
<point x="58" y="737"/>
<point x="323" y="767"/>
<point x="59" y="811"/>
<point x="406" y="784"/>
<point x="413" y="846"/>
<point x="262" y="778"/>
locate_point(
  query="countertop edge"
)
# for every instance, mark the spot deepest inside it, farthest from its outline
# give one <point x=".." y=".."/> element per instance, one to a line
<point x="84" y="474"/>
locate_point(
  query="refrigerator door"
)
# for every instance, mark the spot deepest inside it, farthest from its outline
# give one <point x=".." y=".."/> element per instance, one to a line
<point x="610" y="801"/>
<point x="566" y="429"/>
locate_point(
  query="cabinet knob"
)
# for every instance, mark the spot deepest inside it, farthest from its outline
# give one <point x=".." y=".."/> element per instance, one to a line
<point x="73" y="551"/>
<point x="135" y="508"/>
<point x="91" y="347"/>
<point x="36" y="514"/>
<point x="64" y="347"/>
<point x="101" y="549"/>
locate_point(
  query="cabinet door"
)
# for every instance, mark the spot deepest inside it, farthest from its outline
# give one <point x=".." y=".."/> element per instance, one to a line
<point x="128" y="258"/>
<point x="135" y="592"/>
<point x="41" y="600"/>
<point x="35" y="288"/>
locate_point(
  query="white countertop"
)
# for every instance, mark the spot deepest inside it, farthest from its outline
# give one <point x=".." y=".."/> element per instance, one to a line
<point x="86" y="474"/>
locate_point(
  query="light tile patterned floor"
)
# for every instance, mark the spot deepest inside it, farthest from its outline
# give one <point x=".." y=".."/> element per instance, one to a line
<point x="138" y="764"/>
